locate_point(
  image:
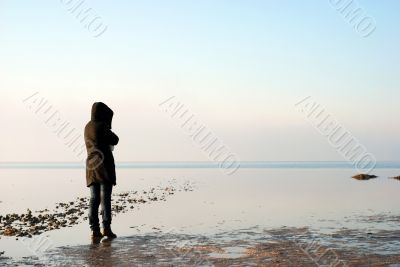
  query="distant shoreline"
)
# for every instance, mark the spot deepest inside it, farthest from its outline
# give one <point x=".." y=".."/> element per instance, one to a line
<point x="201" y="164"/>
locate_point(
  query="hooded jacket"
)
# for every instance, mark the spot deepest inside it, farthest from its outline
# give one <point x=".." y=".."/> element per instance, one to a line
<point x="100" y="166"/>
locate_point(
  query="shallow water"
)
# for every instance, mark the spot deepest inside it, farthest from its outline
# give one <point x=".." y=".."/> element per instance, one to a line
<point x="323" y="199"/>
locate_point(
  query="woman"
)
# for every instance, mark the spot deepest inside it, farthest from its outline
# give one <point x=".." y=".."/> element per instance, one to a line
<point x="100" y="167"/>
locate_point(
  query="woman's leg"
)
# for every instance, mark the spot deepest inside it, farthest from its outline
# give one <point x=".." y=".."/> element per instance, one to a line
<point x="106" y="191"/>
<point x="94" y="207"/>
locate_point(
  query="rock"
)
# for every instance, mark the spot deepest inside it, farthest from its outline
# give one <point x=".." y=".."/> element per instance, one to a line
<point x="396" y="178"/>
<point x="71" y="213"/>
<point x="9" y="231"/>
<point x="364" y="177"/>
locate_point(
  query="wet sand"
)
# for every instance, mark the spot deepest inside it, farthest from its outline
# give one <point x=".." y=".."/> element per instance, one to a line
<point x="250" y="247"/>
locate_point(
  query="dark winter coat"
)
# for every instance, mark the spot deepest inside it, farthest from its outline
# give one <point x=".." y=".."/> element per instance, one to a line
<point x="100" y="166"/>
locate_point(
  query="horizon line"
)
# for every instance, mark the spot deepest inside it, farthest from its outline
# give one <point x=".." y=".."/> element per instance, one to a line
<point x="195" y="164"/>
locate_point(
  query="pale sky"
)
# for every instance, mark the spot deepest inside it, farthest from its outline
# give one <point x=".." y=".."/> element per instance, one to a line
<point x="239" y="66"/>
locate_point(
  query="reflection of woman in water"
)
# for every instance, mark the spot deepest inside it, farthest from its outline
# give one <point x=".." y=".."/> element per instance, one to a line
<point x="100" y="167"/>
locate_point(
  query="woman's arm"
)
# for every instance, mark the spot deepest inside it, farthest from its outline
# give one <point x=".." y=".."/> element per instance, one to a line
<point x="108" y="137"/>
<point x="112" y="138"/>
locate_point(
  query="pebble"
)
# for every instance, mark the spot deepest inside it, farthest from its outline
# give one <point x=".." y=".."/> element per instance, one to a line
<point x="71" y="213"/>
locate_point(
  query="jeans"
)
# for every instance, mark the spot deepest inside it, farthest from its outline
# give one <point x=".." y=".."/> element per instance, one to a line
<point x="100" y="194"/>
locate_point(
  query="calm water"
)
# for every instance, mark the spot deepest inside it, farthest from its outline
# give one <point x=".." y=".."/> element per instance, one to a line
<point x="322" y="196"/>
<point x="206" y="165"/>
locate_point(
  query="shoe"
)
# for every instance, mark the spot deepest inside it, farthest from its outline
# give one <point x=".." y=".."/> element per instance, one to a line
<point x="96" y="234"/>
<point x="108" y="233"/>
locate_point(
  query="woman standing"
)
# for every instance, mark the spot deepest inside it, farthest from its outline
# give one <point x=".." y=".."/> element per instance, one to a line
<point x="100" y="167"/>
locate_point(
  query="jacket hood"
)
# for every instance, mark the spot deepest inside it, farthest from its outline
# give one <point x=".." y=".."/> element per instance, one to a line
<point x="102" y="113"/>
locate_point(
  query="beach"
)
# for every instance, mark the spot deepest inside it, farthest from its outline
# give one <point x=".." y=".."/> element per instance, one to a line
<point x="199" y="133"/>
<point x="203" y="217"/>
